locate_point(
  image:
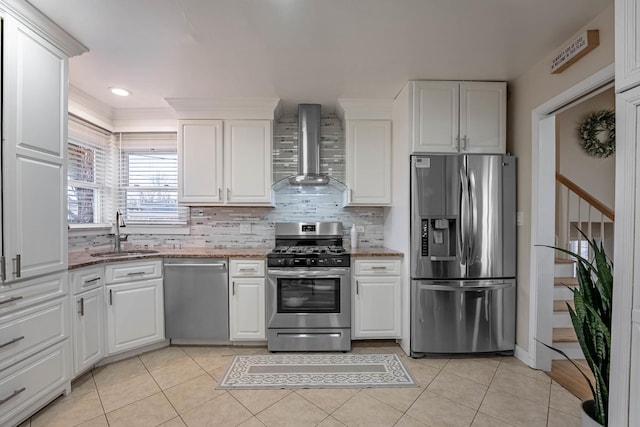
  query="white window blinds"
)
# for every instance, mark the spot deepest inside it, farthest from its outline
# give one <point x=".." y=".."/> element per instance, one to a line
<point x="89" y="187"/>
<point x="148" y="179"/>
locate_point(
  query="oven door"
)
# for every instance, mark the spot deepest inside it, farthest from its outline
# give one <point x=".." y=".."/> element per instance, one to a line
<point x="303" y="297"/>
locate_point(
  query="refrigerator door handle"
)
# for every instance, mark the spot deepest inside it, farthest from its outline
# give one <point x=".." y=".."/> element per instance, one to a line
<point x="464" y="217"/>
<point x="473" y="215"/>
<point x="450" y="288"/>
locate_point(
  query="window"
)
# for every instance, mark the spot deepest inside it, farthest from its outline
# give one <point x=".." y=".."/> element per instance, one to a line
<point x="88" y="193"/>
<point x="148" y="190"/>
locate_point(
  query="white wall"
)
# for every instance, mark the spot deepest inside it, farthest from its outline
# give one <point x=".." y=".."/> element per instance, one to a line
<point x="527" y="92"/>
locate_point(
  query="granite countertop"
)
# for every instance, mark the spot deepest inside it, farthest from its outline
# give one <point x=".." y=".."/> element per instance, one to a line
<point x="84" y="258"/>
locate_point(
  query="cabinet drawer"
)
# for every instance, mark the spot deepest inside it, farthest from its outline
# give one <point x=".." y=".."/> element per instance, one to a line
<point x="32" y="329"/>
<point x="377" y="267"/>
<point x="41" y="376"/>
<point x="246" y="268"/>
<point x="23" y="294"/>
<point x="130" y="271"/>
<point x="85" y="279"/>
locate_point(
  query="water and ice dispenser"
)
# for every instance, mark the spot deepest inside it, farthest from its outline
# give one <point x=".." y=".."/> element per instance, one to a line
<point x="439" y="238"/>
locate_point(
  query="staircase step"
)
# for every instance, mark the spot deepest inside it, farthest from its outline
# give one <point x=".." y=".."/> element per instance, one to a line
<point x="561" y="305"/>
<point x="564" y="335"/>
<point x="565" y="281"/>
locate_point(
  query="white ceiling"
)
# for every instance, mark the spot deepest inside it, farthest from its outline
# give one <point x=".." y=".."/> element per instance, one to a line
<point x="304" y="50"/>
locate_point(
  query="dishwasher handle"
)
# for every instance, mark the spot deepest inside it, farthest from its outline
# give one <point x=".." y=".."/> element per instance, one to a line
<point x="215" y="265"/>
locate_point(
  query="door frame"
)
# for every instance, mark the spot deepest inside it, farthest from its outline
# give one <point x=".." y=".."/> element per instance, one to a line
<point x="543" y="203"/>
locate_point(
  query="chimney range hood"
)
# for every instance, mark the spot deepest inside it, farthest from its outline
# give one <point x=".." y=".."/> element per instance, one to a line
<point x="309" y="147"/>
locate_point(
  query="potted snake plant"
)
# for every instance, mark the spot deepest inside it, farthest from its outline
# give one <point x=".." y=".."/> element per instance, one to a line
<point x="591" y="319"/>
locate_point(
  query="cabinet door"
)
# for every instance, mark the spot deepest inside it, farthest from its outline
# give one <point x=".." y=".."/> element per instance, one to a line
<point x="247" y="153"/>
<point x="369" y="162"/>
<point x="627" y="44"/>
<point x="135" y="315"/>
<point x="247" y="309"/>
<point x="435" y="117"/>
<point x="34" y="153"/>
<point x="200" y="161"/>
<point x="88" y="327"/>
<point x="483" y="115"/>
<point x="377" y="307"/>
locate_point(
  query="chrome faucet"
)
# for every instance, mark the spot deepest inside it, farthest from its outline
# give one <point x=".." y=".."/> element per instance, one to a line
<point x="119" y="224"/>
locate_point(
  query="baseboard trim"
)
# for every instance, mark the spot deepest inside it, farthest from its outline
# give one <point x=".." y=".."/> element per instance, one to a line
<point x="523" y="355"/>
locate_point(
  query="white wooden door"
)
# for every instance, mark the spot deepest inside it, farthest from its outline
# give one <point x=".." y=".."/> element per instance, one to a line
<point x="135" y="315"/>
<point x="247" y="309"/>
<point x="435" y="117"/>
<point x="247" y="153"/>
<point x="88" y="330"/>
<point x="483" y="117"/>
<point x="369" y="162"/>
<point x="624" y="382"/>
<point x="627" y="17"/>
<point x="200" y="161"/>
<point x="377" y="307"/>
<point x="34" y="153"/>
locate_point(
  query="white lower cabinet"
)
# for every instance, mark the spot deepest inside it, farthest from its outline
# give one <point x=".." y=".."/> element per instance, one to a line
<point x="134" y="309"/>
<point x="376" y="299"/>
<point x="88" y="330"/>
<point x="35" y="361"/>
<point x="87" y="313"/>
<point x="247" y="300"/>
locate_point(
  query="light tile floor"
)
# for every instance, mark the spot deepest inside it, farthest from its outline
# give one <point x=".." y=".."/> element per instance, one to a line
<point x="175" y="386"/>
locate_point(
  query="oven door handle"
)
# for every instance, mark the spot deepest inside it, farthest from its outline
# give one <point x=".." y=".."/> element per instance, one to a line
<point x="330" y="273"/>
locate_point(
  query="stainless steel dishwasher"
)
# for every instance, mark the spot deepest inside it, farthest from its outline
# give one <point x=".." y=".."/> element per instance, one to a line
<point x="196" y="300"/>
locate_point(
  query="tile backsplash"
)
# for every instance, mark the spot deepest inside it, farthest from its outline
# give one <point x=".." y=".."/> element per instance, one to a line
<point x="219" y="227"/>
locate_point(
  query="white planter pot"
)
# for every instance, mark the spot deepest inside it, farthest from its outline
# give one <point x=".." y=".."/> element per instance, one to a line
<point x="587" y="407"/>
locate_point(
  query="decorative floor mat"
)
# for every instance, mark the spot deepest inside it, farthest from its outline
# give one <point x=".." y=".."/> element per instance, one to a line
<point x="316" y="370"/>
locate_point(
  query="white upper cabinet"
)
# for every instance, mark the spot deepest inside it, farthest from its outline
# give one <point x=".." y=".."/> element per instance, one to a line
<point x="627" y="18"/>
<point x="247" y="161"/>
<point x="200" y="173"/>
<point x="34" y="96"/>
<point x="224" y="162"/>
<point x="368" y="168"/>
<point x="453" y="117"/>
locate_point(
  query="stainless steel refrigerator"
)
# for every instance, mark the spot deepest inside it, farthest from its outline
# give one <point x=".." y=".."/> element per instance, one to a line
<point x="463" y="254"/>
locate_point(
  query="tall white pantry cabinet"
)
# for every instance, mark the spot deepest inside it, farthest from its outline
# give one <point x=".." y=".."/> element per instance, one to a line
<point x="35" y="362"/>
<point x="624" y="398"/>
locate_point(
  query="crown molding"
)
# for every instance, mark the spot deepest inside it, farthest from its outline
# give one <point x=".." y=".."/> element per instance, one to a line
<point x="144" y="120"/>
<point x="89" y="108"/>
<point x="224" y="108"/>
<point x="43" y="26"/>
<point x="364" y="109"/>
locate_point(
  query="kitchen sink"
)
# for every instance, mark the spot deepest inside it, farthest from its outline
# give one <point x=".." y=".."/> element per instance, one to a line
<point x="125" y="253"/>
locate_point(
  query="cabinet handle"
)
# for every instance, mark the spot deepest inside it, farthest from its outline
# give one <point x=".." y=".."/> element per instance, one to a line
<point x="357" y="287"/>
<point x="233" y="287"/>
<point x="458" y="142"/>
<point x="464" y="142"/>
<point x="95" y="279"/>
<point x="219" y="193"/>
<point x="351" y="194"/>
<point x="375" y="267"/>
<point x="14" y="394"/>
<point x="228" y="193"/>
<point x="81" y="306"/>
<point x="17" y="265"/>
<point x="3" y="269"/>
<point x="136" y="273"/>
<point x="11" y="342"/>
<point x="252" y="270"/>
<point x="110" y="297"/>
<point x="12" y="299"/>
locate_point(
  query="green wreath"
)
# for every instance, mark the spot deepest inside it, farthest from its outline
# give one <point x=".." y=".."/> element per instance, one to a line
<point x="600" y="121"/>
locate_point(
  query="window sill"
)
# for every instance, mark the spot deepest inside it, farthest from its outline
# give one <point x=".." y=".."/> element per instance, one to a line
<point x="89" y="229"/>
<point x="155" y="229"/>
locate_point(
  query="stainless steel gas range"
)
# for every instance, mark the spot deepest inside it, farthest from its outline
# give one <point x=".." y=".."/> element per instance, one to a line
<point x="309" y="289"/>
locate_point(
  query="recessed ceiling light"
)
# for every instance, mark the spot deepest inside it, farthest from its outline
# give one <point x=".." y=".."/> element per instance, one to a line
<point x="119" y="91"/>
